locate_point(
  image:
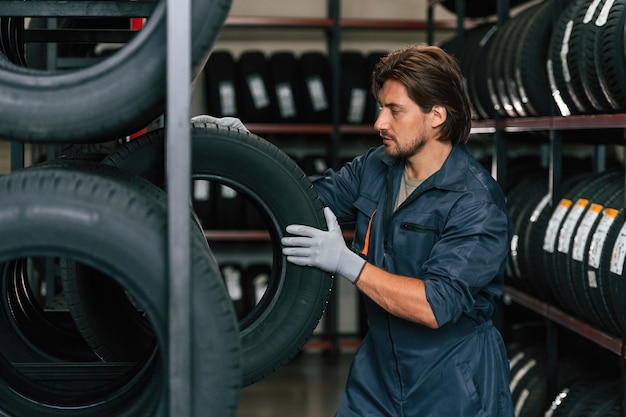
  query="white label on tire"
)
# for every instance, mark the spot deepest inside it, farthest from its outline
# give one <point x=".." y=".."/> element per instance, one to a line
<point x="286" y="103"/>
<point x="260" y="98"/>
<point x="619" y="252"/>
<point x="228" y="100"/>
<point x="591" y="11"/>
<point x="227" y="192"/>
<point x="599" y="236"/>
<point x="232" y="276"/>
<point x="591" y="279"/>
<point x="316" y="91"/>
<point x="549" y="238"/>
<point x="564" y="51"/>
<point x="567" y="230"/>
<point x="604" y="13"/>
<point x="578" y="249"/>
<point x="201" y="190"/>
<point x="539" y="209"/>
<point x="356" y="110"/>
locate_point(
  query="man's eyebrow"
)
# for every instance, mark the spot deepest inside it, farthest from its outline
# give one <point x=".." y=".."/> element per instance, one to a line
<point x="391" y="104"/>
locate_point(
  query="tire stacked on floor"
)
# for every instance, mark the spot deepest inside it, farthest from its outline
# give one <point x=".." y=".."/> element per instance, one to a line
<point x="84" y="249"/>
<point x="538" y="66"/>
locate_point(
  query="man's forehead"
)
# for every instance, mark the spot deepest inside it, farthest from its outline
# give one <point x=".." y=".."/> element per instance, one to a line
<point x="393" y="92"/>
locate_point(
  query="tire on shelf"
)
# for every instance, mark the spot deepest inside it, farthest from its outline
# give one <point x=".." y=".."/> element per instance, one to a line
<point x="601" y="187"/>
<point x="572" y="59"/>
<point x="279" y="325"/>
<point x="113" y="98"/>
<point x="89" y="213"/>
<point x="589" y="269"/>
<point x="531" y="74"/>
<point x="558" y="58"/>
<point x="610" y="57"/>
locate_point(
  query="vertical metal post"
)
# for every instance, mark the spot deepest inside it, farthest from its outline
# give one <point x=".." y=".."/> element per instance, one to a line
<point x="460" y="20"/>
<point x="599" y="158"/>
<point x="552" y="357"/>
<point x="555" y="169"/>
<point x="499" y="157"/>
<point x="334" y="54"/>
<point x="502" y="7"/>
<point x="178" y="168"/>
<point x="17" y="155"/>
<point x="430" y="18"/>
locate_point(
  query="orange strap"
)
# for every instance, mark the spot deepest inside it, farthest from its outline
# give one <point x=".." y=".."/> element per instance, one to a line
<point x="366" y="245"/>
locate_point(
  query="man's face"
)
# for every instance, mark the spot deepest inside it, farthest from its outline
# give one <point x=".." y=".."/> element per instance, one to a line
<point x="401" y="122"/>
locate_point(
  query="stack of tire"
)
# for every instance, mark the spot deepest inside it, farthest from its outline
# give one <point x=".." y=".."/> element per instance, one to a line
<point x="546" y="61"/>
<point x="582" y="388"/>
<point x="84" y="248"/>
<point x="571" y="254"/>
<point x="281" y="87"/>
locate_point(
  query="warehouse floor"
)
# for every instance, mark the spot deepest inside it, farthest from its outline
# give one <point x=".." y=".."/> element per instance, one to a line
<point x="308" y="386"/>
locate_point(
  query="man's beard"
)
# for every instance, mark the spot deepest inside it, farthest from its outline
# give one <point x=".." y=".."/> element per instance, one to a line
<point x="407" y="150"/>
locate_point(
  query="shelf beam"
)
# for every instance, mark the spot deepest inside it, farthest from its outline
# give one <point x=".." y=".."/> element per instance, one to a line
<point x="556" y="315"/>
<point x="47" y="8"/>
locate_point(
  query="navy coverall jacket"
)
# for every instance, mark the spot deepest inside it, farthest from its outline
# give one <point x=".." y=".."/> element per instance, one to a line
<point x="452" y="232"/>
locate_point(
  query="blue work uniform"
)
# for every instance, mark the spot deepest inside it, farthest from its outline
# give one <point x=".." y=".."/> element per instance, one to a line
<point x="453" y="232"/>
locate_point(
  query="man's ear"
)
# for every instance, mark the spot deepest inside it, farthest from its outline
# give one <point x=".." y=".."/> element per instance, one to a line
<point x="439" y="115"/>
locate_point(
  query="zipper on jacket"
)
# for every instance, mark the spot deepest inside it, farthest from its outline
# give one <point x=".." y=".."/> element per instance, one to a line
<point x="419" y="228"/>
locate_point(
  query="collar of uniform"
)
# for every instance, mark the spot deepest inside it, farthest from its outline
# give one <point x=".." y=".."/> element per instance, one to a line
<point x="452" y="175"/>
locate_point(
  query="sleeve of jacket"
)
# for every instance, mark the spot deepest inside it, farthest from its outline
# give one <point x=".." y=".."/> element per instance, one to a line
<point x="339" y="189"/>
<point x="464" y="274"/>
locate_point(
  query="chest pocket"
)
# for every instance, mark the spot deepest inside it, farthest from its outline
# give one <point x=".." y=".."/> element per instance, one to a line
<point x="364" y="230"/>
<point x="412" y="244"/>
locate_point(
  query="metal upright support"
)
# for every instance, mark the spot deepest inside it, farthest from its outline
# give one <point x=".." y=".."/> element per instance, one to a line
<point x="334" y="42"/>
<point x="499" y="158"/>
<point x="552" y="340"/>
<point x="460" y="20"/>
<point x="334" y="54"/>
<point x="555" y="168"/>
<point x="178" y="168"/>
<point x="17" y="155"/>
<point x="430" y="18"/>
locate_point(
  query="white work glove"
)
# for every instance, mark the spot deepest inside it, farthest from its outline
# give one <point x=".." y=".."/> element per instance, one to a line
<point x="224" y="121"/>
<point x="322" y="249"/>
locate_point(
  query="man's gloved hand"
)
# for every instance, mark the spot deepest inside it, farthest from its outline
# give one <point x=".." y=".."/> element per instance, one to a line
<point x="325" y="250"/>
<point x="224" y="121"/>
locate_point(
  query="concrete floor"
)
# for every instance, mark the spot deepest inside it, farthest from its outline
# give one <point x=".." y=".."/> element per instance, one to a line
<point x="308" y="386"/>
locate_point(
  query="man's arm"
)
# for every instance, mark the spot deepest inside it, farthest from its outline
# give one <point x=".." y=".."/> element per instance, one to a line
<point x="401" y="296"/>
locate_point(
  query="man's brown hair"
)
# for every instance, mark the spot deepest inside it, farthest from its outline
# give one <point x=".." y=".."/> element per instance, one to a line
<point x="431" y="77"/>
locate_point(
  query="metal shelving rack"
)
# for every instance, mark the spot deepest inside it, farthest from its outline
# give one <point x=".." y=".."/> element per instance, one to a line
<point x="178" y="168"/>
<point x="499" y="127"/>
<point x="178" y="164"/>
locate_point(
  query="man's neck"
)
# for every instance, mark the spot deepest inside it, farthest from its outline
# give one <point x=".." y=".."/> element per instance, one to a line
<point x="428" y="160"/>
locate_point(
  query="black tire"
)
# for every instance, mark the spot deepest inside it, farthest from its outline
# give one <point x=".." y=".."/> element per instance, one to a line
<point x="572" y="74"/>
<point x="560" y="45"/>
<point x="275" y="330"/>
<point x="91" y="215"/>
<point x="111" y="99"/>
<point x="587" y="67"/>
<point x="610" y="57"/>
<point x="530" y="62"/>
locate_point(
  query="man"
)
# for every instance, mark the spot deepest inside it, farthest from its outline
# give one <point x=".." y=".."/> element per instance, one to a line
<point x="430" y="246"/>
